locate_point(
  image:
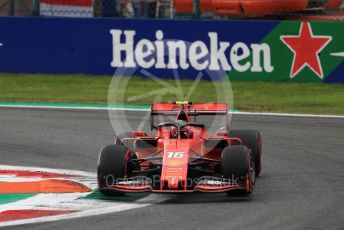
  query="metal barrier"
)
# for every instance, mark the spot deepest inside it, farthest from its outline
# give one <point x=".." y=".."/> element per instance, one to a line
<point x="210" y="9"/>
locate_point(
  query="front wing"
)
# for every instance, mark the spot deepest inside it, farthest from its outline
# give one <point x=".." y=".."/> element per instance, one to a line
<point x="204" y="185"/>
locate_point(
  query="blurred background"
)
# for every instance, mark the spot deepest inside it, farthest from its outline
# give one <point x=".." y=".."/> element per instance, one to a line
<point x="71" y="39"/>
<point x="209" y="9"/>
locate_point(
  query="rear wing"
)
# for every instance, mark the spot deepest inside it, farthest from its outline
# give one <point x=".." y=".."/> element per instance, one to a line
<point x="193" y="110"/>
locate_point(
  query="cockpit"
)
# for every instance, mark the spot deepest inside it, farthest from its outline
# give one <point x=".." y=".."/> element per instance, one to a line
<point x="180" y="130"/>
<point x="184" y="133"/>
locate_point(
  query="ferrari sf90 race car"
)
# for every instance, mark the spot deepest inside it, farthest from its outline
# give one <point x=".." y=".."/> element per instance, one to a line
<point x="181" y="156"/>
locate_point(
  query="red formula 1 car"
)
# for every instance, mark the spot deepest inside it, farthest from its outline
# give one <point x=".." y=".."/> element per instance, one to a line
<point x="181" y="156"/>
<point x="255" y="7"/>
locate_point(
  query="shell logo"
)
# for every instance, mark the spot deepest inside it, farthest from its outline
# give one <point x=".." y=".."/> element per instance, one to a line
<point x="174" y="163"/>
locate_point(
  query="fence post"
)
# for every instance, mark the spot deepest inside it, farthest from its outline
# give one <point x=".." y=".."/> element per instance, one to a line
<point x="196" y="9"/>
<point x="10" y="7"/>
<point x="35" y="8"/>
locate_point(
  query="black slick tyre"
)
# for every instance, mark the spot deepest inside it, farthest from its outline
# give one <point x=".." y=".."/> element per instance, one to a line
<point x="111" y="166"/>
<point x="235" y="165"/>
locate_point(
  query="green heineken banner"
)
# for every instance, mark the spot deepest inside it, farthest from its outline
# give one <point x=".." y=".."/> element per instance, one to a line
<point x="246" y="50"/>
<point x="302" y="51"/>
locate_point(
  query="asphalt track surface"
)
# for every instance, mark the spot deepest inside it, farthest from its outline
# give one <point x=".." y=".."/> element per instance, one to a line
<point x="301" y="187"/>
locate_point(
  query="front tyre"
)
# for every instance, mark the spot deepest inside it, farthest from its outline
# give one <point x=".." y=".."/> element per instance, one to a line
<point x="111" y="166"/>
<point x="237" y="165"/>
<point x="128" y="144"/>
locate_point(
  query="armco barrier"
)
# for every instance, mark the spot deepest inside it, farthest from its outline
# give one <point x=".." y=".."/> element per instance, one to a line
<point x="246" y="50"/>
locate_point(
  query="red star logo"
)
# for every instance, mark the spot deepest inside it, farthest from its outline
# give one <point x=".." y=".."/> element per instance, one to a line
<point x="306" y="48"/>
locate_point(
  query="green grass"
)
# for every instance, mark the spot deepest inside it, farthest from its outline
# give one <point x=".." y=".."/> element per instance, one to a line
<point x="314" y="98"/>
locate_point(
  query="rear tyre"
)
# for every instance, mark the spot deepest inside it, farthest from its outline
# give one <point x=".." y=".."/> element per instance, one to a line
<point x="111" y="166"/>
<point x="252" y="139"/>
<point x="235" y="165"/>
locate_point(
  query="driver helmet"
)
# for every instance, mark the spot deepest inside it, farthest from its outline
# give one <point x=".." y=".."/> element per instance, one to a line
<point x="186" y="132"/>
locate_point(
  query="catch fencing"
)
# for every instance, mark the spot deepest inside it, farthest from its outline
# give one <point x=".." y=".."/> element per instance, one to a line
<point x="209" y="9"/>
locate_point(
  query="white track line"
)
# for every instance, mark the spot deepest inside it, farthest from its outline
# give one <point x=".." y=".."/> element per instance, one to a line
<point x="288" y="114"/>
<point x="70" y="107"/>
<point x="145" y="110"/>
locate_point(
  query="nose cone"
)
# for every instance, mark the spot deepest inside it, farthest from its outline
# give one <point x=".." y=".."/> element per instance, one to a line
<point x="175" y="167"/>
<point x="172" y="183"/>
